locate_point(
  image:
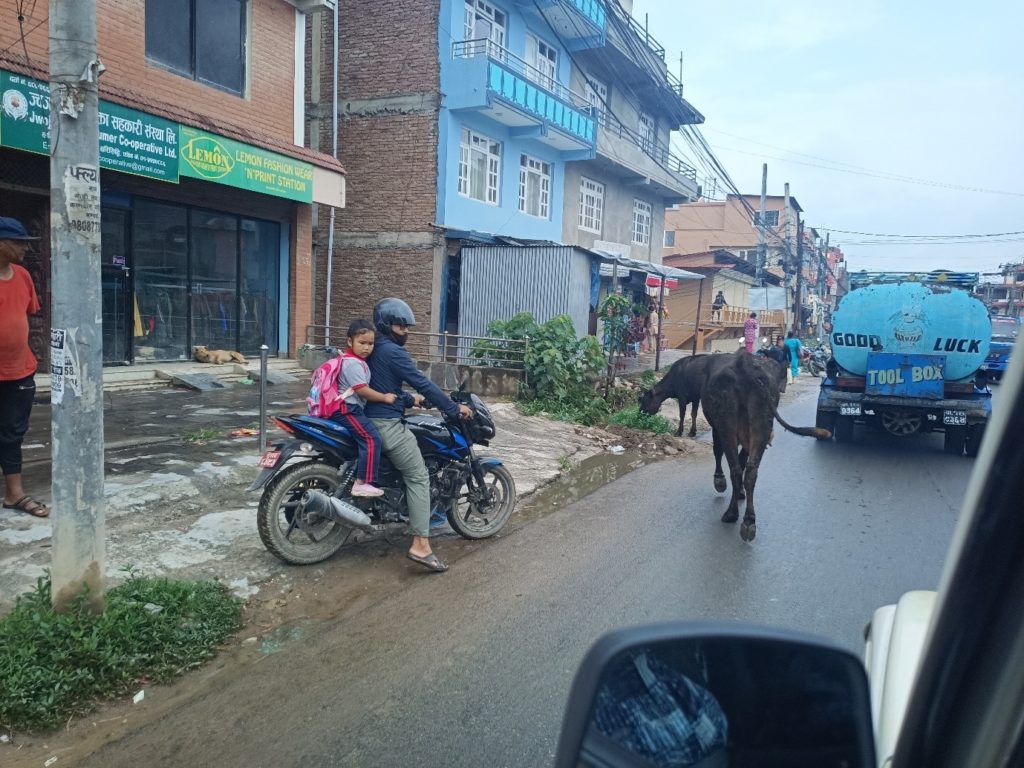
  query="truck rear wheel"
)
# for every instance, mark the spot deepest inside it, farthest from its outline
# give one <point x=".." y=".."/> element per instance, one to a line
<point x="975" y="432"/>
<point x="953" y="441"/>
<point x="843" y="431"/>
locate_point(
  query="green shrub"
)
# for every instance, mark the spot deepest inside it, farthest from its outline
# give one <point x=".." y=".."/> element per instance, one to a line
<point x="55" y="665"/>
<point x="561" y="369"/>
<point x="632" y="416"/>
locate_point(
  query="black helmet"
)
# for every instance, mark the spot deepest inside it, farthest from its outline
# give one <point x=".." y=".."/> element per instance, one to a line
<point x="392" y="311"/>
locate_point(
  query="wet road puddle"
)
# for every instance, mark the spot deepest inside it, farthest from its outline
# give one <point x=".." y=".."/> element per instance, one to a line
<point x="579" y="482"/>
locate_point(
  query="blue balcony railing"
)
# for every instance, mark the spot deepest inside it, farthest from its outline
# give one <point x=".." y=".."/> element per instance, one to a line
<point x="580" y="23"/>
<point x="526" y="88"/>
<point x="592" y="9"/>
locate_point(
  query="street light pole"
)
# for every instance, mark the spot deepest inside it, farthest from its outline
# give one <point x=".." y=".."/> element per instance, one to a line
<point x="76" y="340"/>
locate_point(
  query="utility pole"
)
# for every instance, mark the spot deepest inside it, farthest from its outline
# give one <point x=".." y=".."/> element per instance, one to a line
<point x="760" y="225"/>
<point x="823" y="287"/>
<point x="76" y="341"/>
<point x="798" y="316"/>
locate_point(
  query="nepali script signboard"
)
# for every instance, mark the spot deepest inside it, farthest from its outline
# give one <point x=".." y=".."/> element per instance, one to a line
<point x="129" y="141"/>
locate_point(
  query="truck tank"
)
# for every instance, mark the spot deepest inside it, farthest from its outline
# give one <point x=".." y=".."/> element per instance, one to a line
<point x="915" y="319"/>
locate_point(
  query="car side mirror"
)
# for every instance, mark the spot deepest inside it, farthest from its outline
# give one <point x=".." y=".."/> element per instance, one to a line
<point x="711" y="694"/>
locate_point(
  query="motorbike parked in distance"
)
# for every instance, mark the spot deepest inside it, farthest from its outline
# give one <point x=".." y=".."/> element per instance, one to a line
<point x="307" y="512"/>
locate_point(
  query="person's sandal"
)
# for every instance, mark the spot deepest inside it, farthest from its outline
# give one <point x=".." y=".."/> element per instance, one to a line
<point x="431" y="562"/>
<point x="29" y="506"/>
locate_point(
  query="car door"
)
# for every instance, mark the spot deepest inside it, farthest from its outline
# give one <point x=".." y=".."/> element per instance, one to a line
<point x="967" y="703"/>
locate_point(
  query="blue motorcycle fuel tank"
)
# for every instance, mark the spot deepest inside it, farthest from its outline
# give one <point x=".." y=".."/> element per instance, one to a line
<point x="434" y="437"/>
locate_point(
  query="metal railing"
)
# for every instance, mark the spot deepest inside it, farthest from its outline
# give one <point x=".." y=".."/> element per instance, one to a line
<point x="476" y="351"/>
<point x="657" y="151"/>
<point x="673" y="82"/>
<point x="468" y="49"/>
<point x="735" y="317"/>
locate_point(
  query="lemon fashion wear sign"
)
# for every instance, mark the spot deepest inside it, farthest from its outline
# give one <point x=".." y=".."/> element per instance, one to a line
<point x="216" y="158"/>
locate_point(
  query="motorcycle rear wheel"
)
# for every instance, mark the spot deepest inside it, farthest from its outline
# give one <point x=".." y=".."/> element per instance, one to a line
<point x="290" y="532"/>
<point x="474" y="517"/>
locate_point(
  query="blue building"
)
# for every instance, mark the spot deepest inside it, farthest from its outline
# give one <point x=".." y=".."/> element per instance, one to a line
<point x="548" y="121"/>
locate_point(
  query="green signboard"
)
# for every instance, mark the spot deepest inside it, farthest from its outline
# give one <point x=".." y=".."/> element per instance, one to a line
<point x="130" y="141"/>
<point x="137" y="143"/>
<point x="24" y="113"/>
<point x="221" y="160"/>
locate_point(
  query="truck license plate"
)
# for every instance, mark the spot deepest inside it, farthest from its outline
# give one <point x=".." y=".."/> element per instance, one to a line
<point x="849" y="409"/>
<point x="955" y="418"/>
<point x="269" y="459"/>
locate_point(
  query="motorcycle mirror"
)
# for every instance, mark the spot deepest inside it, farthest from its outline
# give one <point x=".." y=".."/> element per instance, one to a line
<point x="716" y="695"/>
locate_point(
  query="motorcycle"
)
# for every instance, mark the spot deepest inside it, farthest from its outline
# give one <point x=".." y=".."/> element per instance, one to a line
<point x="307" y="513"/>
<point x="815" y="359"/>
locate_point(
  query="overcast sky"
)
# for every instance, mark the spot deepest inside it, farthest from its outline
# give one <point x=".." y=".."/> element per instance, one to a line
<point x="932" y="91"/>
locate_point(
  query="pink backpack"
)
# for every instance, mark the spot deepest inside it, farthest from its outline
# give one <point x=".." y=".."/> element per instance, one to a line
<point x="324" y="398"/>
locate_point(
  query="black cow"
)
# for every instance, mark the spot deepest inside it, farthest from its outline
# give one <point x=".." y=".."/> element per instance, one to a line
<point x="741" y="399"/>
<point x="684" y="381"/>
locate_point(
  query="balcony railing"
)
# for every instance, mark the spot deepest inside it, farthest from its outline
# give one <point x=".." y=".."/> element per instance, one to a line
<point x="530" y="90"/>
<point x="592" y="9"/>
<point x="657" y="151"/>
<point x="468" y="49"/>
<point x="653" y="45"/>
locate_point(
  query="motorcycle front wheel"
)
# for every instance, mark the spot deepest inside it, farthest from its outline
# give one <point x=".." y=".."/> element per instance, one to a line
<point x="477" y="513"/>
<point x="290" y="531"/>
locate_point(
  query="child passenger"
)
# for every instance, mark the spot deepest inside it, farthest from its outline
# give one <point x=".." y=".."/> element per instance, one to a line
<point x="354" y="386"/>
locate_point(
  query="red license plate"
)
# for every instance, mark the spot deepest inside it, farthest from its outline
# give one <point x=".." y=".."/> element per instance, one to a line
<point x="269" y="459"/>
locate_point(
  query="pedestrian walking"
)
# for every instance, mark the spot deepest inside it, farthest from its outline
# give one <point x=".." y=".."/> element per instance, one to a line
<point x="18" y="300"/>
<point x="795" y="349"/>
<point x="750" y="332"/>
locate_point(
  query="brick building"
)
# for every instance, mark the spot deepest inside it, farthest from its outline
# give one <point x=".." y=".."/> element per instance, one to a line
<point x="206" y="186"/>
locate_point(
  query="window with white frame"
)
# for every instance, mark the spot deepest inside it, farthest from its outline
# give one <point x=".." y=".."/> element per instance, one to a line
<point x="485" y="22"/>
<point x="534" y="186"/>
<point x="597" y="96"/>
<point x="479" y="167"/>
<point x="641" y="222"/>
<point x="647" y="132"/>
<point x="591" y="205"/>
<point x="771" y="218"/>
<point x="670" y="238"/>
<point x="543" y="61"/>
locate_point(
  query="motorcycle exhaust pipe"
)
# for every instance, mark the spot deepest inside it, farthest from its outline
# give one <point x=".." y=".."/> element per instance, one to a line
<point x="334" y="508"/>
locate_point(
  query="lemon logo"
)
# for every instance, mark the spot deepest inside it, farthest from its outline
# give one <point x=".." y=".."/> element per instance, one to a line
<point x="208" y="157"/>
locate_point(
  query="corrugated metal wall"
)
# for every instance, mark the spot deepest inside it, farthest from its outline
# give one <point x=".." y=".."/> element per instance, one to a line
<point x="499" y="281"/>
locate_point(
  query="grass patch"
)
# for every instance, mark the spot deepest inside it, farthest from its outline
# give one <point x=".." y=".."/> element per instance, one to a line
<point x="54" y="666"/>
<point x="202" y="435"/>
<point x="631" y="416"/>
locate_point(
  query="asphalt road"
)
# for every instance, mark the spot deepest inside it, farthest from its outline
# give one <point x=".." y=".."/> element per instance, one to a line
<point x="472" y="668"/>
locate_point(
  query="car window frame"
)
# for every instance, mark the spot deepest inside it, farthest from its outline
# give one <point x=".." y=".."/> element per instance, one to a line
<point x="965" y="704"/>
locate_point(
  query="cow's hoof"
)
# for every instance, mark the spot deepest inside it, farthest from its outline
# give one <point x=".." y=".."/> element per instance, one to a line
<point x="720" y="485"/>
<point x="748" y="531"/>
<point x="693" y="433"/>
<point x="730" y="516"/>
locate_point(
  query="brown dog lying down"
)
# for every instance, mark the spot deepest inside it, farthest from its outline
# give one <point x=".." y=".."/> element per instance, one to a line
<point x="218" y="356"/>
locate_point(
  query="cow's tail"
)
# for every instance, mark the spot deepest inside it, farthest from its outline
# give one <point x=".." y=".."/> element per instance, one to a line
<point x="818" y="432"/>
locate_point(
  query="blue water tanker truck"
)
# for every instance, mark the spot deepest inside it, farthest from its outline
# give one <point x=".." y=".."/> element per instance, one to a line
<point x="907" y="353"/>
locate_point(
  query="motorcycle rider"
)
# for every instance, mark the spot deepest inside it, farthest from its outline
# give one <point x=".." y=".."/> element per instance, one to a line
<point x="391" y="366"/>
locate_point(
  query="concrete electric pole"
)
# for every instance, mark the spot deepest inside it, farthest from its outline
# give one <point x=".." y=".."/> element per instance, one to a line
<point x="760" y="225"/>
<point x="76" y="339"/>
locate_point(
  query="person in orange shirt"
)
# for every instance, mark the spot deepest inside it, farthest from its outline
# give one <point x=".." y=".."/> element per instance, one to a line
<point x="18" y="300"/>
